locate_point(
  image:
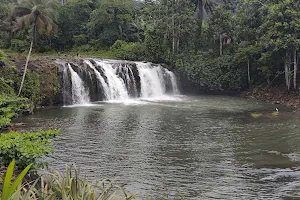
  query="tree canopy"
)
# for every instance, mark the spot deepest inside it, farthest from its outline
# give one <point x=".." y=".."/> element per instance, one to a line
<point x="216" y="44"/>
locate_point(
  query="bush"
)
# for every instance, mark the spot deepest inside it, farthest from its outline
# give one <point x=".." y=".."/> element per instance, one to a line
<point x="19" y="45"/>
<point x="10" y="107"/>
<point x="213" y="73"/>
<point x="5" y="88"/>
<point x="61" y="186"/>
<point x="3" y="56"/>
<point x="31" y="88"/>
<point x="84" y="48"/>
<point x="128" y="50"/>
<point x="80" y="40"/>
<point x="5" y="40"/>
<point x="26" y="148"/>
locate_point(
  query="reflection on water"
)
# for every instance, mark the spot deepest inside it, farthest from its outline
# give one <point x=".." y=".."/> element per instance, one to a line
<point x="204" y="147"/>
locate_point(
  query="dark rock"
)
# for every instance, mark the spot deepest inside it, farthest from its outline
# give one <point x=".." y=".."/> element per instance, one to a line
<point x="28" y="111"/>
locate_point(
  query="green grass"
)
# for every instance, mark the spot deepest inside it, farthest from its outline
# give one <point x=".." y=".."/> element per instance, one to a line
<point x="106" y="54"/>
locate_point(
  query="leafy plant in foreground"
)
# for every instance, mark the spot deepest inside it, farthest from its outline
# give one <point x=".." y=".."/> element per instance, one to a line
<point x="26" y="148"/>
<point x="10" y="187"/>
<point x="10" y="107"/>
<point x="71" y="186"/>
<point x="68" y="186"/>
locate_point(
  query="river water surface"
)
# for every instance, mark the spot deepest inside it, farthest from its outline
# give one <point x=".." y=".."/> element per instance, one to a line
<point x="206" y="147"/>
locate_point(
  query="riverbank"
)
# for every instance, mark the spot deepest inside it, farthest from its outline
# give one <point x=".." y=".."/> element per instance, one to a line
<point x="273" y="95"/>
<point x="47" y="69"/>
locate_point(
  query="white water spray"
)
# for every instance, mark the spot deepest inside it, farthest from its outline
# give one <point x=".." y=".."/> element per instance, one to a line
<point x="173" y="82"/>
<point x="121" y="82"/>
<point x="152" y="82"/>
<point x="101" y="79"/>
<point x="79" y="93"/>
<point x="116" y="85"/>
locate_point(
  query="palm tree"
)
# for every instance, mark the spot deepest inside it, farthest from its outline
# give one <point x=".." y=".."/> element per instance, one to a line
<point x="38" y="14"/>
<point x="204" y="6"/>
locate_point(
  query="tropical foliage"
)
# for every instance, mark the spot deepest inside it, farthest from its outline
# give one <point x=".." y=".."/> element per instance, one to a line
<point x="11" y="107"/>
<point x="10" y="187"/>
<point x="25" y="148"/>
<point x="56" y="185"/>
<point x="252" y="42"/>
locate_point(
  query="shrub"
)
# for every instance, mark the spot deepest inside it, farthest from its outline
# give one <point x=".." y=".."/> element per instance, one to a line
<point x="31" y="88"/>
<point x="26" y="148"/>
<point x="10" y="185"/>
<point x="213" y="73"/>
<point x="3" y="56"/>
<point x="80" y="40"/>
<point x="10" y="107"/>
<point x="19" y="45"/>
<point x="128" y="50"/>
<point x="62" y="186"/>
<point x="84" y="48"/>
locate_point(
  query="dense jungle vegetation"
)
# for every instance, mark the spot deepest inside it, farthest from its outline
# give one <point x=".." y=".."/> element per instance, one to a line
<point x="220" y="45"/>
<point x="217" y="45"/>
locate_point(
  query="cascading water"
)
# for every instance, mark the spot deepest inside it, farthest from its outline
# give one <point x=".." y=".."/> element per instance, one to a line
<point x="173" y="82"/>
<point x="65" y="86"/>
<point x="116" y="85"/>
<point x="104" y="85"/>
<point x="79" y="93"/>
<point x="152" y="82"/>
<point x="118" y="81"/>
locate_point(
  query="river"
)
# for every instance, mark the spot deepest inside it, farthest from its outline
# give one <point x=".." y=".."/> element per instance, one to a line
<point x="204" y="147"/>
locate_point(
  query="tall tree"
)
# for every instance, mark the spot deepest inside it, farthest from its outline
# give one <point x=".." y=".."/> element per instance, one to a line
<point x="72" y="18"/>
<point x="281" y="35"/>
<point x="203" y="6"/>
<point x="109" y="20"/>
<point x="37" y="14"/>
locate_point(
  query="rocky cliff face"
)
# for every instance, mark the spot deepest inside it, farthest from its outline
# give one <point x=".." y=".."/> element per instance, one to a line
<point x="96" y="80"/>
<point x="47" y="86"/>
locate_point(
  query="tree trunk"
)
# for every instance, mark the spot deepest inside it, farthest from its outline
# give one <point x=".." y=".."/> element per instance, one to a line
<point x="200" y="10"/>
<point x="25" y="69"/>
<point x="198" y="15"/>
<point x="221" y="45"/>
<point x="287" y="70"/>
<point x="173" y="36"/>
<point x="249" y="78"/>
<point x="295" y="68"/>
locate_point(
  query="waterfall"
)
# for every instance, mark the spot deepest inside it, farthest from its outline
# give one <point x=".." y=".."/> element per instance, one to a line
<point x="66" y="86"/>
<point x="116" y="85"/>
<point x="117" y="81"/>
<point x="173" y="82"/>
<point x="152" y="82"/>
<point x="79" y="93"/>
<point x="101" y="79"/>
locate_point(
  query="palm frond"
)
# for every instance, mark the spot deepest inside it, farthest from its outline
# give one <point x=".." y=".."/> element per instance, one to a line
<point x="38" y="2"/>
<point x="26" y="3"/>
<point x="24" y="21"/>
<point x="49" y="12"/>
<point x="20" y="11"/>
<point x="52" y="4"/>
<point x="40" y="25"/>
<point x="49" y="26"/>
